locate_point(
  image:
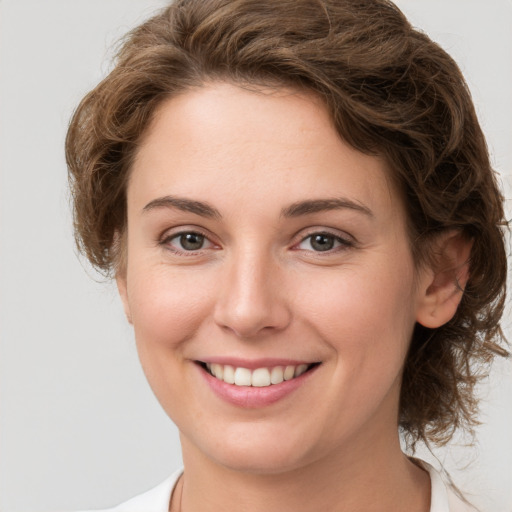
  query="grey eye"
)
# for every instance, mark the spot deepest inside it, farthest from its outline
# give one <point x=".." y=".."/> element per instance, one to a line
<point x="191" y="241"/>
<point x="322" y="242"/>
<point x="186" y="242"/>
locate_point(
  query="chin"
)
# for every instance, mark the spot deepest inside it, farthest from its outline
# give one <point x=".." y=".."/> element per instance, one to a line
<point x="257" y="453"/>
<point x="257" y="461"/>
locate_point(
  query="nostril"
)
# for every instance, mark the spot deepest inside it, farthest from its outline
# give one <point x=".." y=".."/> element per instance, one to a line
<point x="248" y="304"/>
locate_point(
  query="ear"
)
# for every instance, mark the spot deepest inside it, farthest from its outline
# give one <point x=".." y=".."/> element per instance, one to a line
<point x="443" y="281"/>
<point x="123" y="293"/>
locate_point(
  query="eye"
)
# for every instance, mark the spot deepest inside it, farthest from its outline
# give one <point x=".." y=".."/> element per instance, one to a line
<point x="187" y="241"/>
<point x="322" y="242"/>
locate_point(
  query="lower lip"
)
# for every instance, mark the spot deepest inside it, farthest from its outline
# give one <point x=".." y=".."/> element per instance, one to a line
<point x="253" y="397"/>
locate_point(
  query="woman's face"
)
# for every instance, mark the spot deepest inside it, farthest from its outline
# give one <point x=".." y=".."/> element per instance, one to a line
<point x="262" y="244"/>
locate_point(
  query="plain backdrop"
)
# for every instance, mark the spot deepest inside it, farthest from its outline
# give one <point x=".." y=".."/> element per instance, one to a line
<point x="79" y="427"/>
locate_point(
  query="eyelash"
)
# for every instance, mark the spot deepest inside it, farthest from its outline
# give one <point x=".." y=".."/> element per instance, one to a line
<point x="166" y="242"/>
<point x="339" y="243"/>
<point x="342" y="243"/>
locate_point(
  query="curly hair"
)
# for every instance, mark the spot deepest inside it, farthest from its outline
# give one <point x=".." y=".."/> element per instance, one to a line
<point x="391" y="91"/>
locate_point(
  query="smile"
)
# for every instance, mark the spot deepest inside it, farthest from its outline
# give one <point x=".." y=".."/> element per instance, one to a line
<point x="259" y="377"/>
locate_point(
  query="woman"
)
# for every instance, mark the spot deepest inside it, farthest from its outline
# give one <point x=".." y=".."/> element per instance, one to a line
<point x="296" y="201"/>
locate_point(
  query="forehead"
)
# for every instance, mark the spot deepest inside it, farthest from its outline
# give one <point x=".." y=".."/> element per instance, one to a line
<point x="229" y="141"/>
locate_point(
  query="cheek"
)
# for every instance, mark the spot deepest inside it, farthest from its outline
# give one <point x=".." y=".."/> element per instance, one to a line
<point x="167" y="310"/>
<point x="167" y="307"/>
<point x="367" y="316"/>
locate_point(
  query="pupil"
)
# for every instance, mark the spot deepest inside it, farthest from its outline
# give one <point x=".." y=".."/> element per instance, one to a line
<point x="322" y="242"/>
<point x="191" y="241"/>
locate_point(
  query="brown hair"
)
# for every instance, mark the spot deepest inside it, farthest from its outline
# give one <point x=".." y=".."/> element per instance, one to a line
<point x="390" y="90"/>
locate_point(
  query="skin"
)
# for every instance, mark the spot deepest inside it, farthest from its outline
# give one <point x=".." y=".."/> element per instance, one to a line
<point x="258" y="288"/>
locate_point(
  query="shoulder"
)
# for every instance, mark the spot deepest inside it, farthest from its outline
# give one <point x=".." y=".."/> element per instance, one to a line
<point x="154" y="500"/>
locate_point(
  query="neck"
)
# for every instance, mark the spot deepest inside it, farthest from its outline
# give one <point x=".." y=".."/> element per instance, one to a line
<point x="368" y="477"/>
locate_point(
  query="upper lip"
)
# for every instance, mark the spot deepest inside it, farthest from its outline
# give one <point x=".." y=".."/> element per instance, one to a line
<point x="252" y="364"/>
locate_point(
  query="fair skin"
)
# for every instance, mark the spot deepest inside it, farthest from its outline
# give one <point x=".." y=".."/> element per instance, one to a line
<point x="258" y="239"/>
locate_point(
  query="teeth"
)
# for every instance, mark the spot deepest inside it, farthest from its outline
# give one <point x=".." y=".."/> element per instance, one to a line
<point x="261" y="377"/>
<point x="289" y="372"/>
<point x="229" y="374"/>
<point x="276" y="375"/>
<point x="242" y="377"/>
<point x="300" y="370"/>
<point x="218" y="371"/>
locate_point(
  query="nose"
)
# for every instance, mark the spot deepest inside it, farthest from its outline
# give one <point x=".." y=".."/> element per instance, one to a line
<point x="252" y="299"/>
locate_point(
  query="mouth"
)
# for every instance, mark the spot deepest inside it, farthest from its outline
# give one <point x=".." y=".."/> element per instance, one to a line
<point x="258" y="377"/>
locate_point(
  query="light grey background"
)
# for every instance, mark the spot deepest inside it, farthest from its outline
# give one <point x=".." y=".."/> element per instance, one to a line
<point x="79" y="427"/>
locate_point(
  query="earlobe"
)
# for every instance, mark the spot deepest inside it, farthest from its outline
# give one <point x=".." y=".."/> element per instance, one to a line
<point x="443" y="284"/>
<point x="123" y="293"/>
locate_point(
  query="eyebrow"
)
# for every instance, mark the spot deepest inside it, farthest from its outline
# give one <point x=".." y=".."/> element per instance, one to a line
<point x="186" y="205"/>
<point x="294" y="210"/>
<point x="321" y="205"/>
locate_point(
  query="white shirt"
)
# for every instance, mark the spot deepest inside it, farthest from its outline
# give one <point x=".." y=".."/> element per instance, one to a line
<point x="157" y="499"/>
